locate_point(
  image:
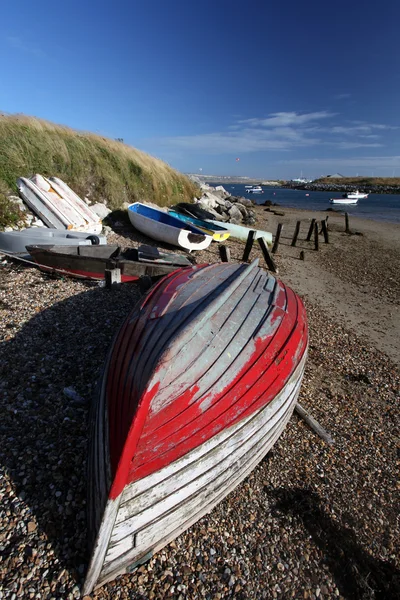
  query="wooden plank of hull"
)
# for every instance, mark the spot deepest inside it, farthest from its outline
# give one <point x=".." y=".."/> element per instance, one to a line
<point x="151" y="512"/>
<point x="93" y="220"/>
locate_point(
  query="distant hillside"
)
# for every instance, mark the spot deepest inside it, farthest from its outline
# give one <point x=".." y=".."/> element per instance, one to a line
<point x="361" y="181"/>
<point x="105" y="170"/>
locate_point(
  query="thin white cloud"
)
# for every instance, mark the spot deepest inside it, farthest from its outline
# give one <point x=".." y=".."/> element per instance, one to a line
<point x="374" y="162"/>
<point x="19" y="44"/>
<point x="286" y="119"/>
<point x="281" y="131"/>
<point x="342" y="96"/>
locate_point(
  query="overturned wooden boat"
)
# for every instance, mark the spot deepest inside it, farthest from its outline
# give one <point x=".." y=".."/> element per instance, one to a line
<point x="91" y="262"/>
<point x="57" y="205"/>
<point x="161" y="226"/>
<point x="199" y="384"/>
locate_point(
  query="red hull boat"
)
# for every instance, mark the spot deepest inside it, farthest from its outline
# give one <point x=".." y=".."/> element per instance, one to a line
<point x="199" y="383"/>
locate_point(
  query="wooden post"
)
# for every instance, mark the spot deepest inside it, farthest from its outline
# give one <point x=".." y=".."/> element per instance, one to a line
<point x="310" y="231"/>
<point x="302" y="255"/>
<point x="267" y="257"/>
<point x="296" y="233"/>
<point x="249" y="245"/>
<point x="325" y="231"/>
<point x="277" y="237"/>
<point x="113" y="278"/>
<point x="316" y="243"/>
<point x="346" y="216"/>
<point x="224" y="253"/>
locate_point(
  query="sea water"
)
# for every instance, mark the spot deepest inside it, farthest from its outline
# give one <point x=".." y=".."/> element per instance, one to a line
<point x="379" y="207"/>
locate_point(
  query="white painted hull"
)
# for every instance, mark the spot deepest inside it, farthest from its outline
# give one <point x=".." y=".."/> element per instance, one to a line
<point x="167" y="233"/>
<point x="56" y="209"/>
<point x="153" y="511"/>
<point x="343" y="201"/>
<point x="241" y="233"/>
<point x="81" y="208"/>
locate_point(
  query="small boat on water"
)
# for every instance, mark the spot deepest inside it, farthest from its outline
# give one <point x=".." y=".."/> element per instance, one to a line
<point x="16" y="241"/>
<point x="199" y="384"/>
<point x="91" y="262"/>
<point x="255" y="189"/>
<point x="161" y="226"/>
<point x="343" y="200"/>
<point x="57" y="205"/>
<point x="356" y="195"/>
<point x="218" y="233"/>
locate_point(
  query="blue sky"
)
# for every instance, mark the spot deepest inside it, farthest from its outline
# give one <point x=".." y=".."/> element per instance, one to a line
<point x="286" y="87"/>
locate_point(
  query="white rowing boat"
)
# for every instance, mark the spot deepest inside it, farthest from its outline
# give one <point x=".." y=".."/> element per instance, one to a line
<point x="163" y="227"/>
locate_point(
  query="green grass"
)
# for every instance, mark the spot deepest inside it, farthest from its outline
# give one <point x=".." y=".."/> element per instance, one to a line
<point x="10" y="214"/>
<point x="105" y="170"/>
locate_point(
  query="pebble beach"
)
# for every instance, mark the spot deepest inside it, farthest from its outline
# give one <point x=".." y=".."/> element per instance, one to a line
<point x="311" y="521"/>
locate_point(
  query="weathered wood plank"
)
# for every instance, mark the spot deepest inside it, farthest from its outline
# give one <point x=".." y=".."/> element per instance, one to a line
<point x="347" y="229"/>
<point x="112" y="278"/>
<point x="311" y="230"/>
<point x="277" y="238"/>
<point x="296" y="233"/>
<point x="224" y="253"/>
<point x="267" y="257"/>
<point x="316" y="241"/>
<point x="325" y="231"/>
<point x="249" y="245"/>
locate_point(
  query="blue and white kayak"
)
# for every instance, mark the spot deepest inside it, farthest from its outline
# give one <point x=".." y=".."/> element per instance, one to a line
<point x="219" y="234"/>
<point x="161" y="226"/>
<point x="241" y="233"/>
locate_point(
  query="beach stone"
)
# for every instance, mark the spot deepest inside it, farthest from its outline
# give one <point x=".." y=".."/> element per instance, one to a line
<point x="235" y="213"/>
<point x="242" y="209"/>
<point x="101" y="210"/>
<point x="220" y="188"/>
<point x="210" y="210"/>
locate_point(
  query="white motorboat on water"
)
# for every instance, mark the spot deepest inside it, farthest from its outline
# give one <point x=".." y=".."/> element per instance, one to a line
<point x="343" y="200"/>
<point x="256" y="189"/>
<point x="356" y="195"/>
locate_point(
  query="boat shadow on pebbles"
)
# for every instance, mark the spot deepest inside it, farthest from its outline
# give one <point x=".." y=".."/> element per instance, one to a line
<point x="357" y="573"/>
<point x="43" y="434"/>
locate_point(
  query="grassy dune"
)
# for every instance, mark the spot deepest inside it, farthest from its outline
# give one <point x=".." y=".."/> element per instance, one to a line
<point x="105" y="170"/>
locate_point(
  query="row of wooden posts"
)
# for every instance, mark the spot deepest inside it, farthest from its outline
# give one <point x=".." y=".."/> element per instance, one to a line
<point x="314" y="229"/>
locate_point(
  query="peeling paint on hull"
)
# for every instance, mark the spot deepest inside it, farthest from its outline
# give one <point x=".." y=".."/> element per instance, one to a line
<point x="199" y="384"/>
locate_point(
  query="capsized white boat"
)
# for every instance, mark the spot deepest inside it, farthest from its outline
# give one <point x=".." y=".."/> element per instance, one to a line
<point x="161" y="226"/>
<point x="241" y="232"/>
<point x="58" y="208"/>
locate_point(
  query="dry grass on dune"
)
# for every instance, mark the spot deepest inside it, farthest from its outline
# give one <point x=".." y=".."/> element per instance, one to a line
<point x="108" y="170"/>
